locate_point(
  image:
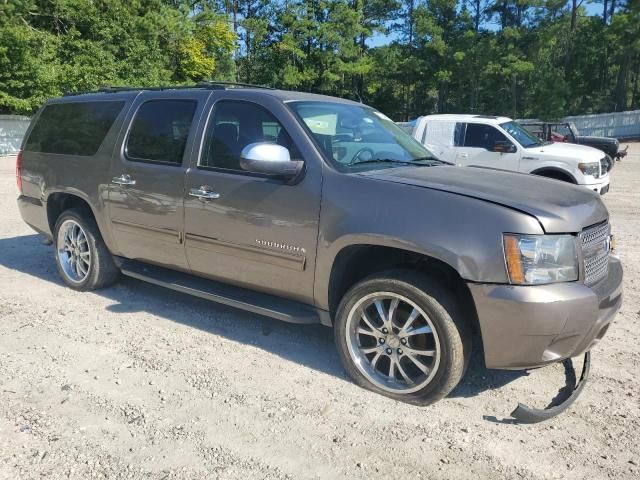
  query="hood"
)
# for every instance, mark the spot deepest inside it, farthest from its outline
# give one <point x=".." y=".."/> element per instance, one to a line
<point x="560" y="207"/>
<point x="570" y="151"/>
<point x="612" y="143"/>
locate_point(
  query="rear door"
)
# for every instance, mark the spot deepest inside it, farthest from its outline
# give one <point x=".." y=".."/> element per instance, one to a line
<point x="477" y="145"/>
<point x="247" y="229"/>
<point x="148" y="173"/>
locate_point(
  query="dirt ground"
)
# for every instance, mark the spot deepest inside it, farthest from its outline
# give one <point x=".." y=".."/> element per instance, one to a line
<point x="139" y="382"/>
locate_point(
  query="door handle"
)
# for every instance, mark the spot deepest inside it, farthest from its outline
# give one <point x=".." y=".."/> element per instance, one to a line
<point x="123" y="180"/>
<point x="463" y="155"/>
<point x="204" y="193"/>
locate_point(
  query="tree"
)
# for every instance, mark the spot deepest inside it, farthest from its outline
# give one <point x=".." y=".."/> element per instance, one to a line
<point x="531" y="58"/>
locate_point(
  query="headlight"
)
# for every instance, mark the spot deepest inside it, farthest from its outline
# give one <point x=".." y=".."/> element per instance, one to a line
<point x="592" y="169"/>
<point x="537" y="259"/>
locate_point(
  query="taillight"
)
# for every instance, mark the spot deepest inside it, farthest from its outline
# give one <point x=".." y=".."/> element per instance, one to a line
<point x="19" y="171"/>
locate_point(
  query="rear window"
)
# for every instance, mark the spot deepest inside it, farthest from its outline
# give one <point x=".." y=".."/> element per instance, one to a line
<point x="160" y="131"/>
<point x="76" y="128"/>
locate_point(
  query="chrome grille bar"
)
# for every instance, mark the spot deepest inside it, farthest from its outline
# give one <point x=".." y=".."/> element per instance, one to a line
<point x="595" y="251"/>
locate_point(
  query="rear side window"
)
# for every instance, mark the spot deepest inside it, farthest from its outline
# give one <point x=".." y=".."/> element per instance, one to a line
<point x="160" y="130"/>
<point x="479" y="135"/>
<point x="535" y="129"/>
<point x="439" y="133"/>
<point x="75" y="128"/>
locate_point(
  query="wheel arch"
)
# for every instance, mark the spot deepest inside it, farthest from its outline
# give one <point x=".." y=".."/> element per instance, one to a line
<point x="555" y="173"/>
<point x="355" y="262"/>
<point x="58" y="202"/>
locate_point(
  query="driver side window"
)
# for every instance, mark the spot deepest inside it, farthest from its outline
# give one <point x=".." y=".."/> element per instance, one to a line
<point x="479" y="135"/>
<point x="232" y="126"/>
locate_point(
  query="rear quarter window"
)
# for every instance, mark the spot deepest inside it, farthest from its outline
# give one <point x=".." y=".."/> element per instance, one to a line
<point x="74" y="128"/>
<point x="440" y="133"/>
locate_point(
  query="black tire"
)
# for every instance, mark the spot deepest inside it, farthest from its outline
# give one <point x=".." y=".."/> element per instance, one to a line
<point x="102" y="271"/>
<point x="439" y="304"/>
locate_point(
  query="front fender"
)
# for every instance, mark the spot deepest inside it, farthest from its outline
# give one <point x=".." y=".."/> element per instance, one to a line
<point x="561" y="167"/>
<point x="463" y="232"/>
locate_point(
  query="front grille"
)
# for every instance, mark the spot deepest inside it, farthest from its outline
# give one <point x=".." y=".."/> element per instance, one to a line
<point x="604" y="165"/>
<point x="595" y="251"/>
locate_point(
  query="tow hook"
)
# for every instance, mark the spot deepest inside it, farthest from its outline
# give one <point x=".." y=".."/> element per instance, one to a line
<point x="566" y="396"/>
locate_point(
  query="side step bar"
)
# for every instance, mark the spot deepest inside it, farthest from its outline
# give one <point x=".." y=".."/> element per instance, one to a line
<point x="256" y="302"/>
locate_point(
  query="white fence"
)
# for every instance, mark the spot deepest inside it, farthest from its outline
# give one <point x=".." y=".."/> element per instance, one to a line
<point x="12" y="130"/>
<point x="624" y="125"/>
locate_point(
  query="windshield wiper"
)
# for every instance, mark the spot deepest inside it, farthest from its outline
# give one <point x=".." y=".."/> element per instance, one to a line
<point x="405" y="162"/>
<point x="539" y="144"/>
<point x="432" y="159"/>
<point x="379" y="160"/>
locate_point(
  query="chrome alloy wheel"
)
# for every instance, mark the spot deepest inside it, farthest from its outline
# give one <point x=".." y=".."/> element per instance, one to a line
<point x="393" y="342"/>
<point x="74" y="254"/>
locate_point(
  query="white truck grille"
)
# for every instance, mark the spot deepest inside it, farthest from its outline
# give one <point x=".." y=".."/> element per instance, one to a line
<point x="596" y="246"/>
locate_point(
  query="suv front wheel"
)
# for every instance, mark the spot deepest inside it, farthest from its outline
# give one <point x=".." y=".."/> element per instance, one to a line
<point x="400" y="334"/>
<point x="82" y="258"/>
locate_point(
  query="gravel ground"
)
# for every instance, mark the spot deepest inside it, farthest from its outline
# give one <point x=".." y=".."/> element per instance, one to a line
<point x="139" y="382"/>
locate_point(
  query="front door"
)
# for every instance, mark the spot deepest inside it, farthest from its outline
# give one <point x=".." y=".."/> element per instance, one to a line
<point x="147" y="176"/>
<point x="251" y="230"/>
<point x="478" y="148"/>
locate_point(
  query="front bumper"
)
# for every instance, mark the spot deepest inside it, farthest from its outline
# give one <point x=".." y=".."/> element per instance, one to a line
<point x="600" y="187"/>
<point x="530" y="326"/>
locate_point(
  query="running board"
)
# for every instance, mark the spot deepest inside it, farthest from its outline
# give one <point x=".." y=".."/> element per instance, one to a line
<point x="249" y="300"/>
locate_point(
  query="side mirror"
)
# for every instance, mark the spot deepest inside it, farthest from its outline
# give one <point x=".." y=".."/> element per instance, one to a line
<point x="269" y="159"/>
<point x="504" y="147"/>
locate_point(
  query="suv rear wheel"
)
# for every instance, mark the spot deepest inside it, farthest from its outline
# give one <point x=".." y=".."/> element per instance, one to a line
<point x="400" y="334"/>
<point x="82" y="258"/>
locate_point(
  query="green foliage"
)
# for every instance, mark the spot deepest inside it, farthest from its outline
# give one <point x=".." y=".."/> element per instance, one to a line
<point x="48" y="47"/>
<point x="524" y="58"/>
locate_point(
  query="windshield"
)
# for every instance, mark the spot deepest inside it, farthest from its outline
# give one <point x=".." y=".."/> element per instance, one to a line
<point x="355" y="137"/>
<point x="522" y="136"/>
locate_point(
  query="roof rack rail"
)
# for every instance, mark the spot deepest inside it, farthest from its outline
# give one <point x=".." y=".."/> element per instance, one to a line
<point x="213" y="83"/>
<point x="208" y="85"/>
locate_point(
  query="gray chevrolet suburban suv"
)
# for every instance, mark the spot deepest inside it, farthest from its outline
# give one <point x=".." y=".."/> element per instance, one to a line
<point x="308" y="209"/>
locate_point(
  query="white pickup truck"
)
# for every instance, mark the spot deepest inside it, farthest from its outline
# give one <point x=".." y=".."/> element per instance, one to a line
<point x="501" y="143"/>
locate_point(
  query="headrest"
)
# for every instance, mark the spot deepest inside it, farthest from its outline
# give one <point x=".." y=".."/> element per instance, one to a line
<point x="226" y="131"/>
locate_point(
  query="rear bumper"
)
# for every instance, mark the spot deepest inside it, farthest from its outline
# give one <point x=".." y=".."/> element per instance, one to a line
<point x="34" y="213"/>
<point x="530" y="326"/>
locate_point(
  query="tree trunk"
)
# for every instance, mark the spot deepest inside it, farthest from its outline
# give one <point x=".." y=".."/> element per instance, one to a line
<point x="443" y="97"/>
<point x="477" y="15"/>
<point x="635" y="101"/>
<point x="605" y="11"/>
<point x="503" y="14"/>
<point x="621" y="92"/>
<point x="514" y="91"/>
<point x="410" y="19"/>
<point x="613" y="10"/>
<point x="574" y="14"/>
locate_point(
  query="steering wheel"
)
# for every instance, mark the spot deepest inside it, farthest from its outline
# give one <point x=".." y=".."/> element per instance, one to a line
<point x="361" y="157"/>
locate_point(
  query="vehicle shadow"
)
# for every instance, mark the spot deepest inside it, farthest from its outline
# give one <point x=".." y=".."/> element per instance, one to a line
<point x="308" y="345"/>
